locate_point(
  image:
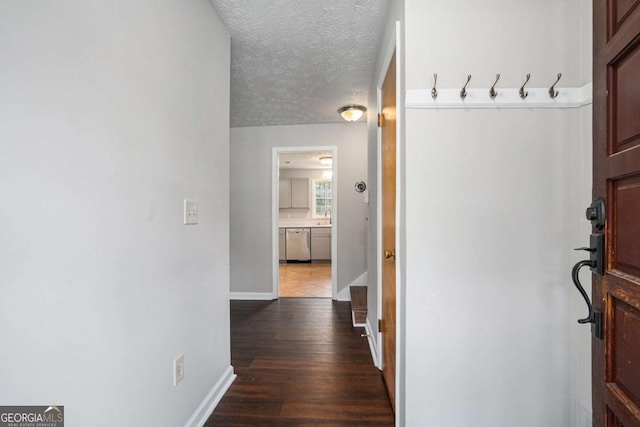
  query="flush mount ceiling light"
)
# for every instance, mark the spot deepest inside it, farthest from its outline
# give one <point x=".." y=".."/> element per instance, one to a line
<point x="352" y="113"/>
<point x="326" y="161"/>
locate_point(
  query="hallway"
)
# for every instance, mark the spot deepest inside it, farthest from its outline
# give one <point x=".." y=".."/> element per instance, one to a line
<point x="300" y="362"/>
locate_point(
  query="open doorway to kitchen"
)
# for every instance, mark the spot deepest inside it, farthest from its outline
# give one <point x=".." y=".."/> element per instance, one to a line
<point x="304" y="219"/>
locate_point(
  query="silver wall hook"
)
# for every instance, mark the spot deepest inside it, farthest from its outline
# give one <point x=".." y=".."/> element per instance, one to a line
<point x="463" y="92"/>
<point x="493" y="92"/>
<point x="552" y="90"/>
<point x="434" y="91"/>
<point x="523" y="93"/>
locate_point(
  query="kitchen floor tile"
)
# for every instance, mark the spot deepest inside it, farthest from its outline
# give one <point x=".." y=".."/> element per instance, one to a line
<point x="305" y="280"/>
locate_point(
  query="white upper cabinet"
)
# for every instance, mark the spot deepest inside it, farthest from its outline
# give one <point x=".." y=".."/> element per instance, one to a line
<point x="294" y="193"/>
<point x="285" y="193"/>
<point x="300" y="193"/>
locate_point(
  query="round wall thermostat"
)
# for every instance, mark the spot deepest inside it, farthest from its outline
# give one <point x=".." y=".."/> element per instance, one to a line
<point x="360" y="186"/>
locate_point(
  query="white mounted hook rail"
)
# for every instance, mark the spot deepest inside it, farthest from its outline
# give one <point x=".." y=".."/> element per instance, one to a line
<point x="498" y="97"/>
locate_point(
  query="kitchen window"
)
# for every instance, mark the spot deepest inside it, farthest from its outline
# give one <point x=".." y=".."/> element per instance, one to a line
<point x="322" y="198"/>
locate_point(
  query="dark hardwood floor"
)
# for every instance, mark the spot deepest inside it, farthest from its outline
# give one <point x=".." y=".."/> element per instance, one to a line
<point x="300" y="362"/>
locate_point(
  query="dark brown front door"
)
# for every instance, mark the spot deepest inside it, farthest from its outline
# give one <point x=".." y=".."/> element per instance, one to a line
<point x="616" y="178"/>
<point x="388" y="323"/>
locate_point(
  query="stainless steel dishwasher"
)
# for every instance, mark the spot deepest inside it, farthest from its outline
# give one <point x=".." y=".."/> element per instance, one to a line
<point x="298" y="247"/>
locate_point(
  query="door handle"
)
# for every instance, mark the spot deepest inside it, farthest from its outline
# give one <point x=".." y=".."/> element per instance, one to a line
<point x="389" y="254"/>
<point x="595" y="317"/>
<point x="576" y="281"/>
<point x="596" y="214"/>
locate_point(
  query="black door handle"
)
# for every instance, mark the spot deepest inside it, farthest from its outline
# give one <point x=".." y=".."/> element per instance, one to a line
<point x="585" y="249"/>
<point x="596" y="214"/>
<point x="576" y="281"/>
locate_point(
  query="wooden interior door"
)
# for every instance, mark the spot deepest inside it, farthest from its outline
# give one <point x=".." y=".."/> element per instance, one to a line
<point x="616" y="170"/>
<point x="388" y="321"/>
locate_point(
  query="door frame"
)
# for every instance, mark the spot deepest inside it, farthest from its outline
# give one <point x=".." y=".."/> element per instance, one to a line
<point x="393" y="45"/>
<point x="275" y="191"/>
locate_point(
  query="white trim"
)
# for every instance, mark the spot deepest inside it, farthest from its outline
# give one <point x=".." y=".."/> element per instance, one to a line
<point x="211" y="400"/>
<point x="372" y="343"/>
<point x="568" y="97"/>
<point x="345" y="293"/>
<point x="275" y="184"/>
<point x="399" y="257"/>
<point x="252" y="296"/>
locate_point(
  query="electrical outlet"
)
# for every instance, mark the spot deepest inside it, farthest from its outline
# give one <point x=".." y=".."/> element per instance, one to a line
<point x="190" y="212"/>
<point x="178" y="370"/>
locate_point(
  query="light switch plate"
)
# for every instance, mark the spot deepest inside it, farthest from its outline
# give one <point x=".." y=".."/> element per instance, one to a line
<point x="190" y="212"/>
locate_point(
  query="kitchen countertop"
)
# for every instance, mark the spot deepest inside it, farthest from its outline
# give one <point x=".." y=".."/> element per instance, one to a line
<point x="306" y="226"/>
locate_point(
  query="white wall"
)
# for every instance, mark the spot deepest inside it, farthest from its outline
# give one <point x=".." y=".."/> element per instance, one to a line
<point x="495" y="202"/>
<point x="251" y="154"/>
<point x="112" y="113"/>
<point x="579" y="229"/>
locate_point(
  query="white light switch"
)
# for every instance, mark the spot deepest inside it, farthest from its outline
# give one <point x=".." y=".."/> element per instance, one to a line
<point x="190" y="212"/>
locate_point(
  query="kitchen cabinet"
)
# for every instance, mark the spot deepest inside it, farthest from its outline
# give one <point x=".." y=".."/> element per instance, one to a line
<point x="321" y="243"/>
<point x="300" y="193"/>
<point x="285" y="193"/>
<point x="282" y="249"/>
<point x="294" y="193"/>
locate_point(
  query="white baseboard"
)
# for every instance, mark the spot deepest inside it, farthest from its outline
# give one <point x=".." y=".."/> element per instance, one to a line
<point x="372" y="342"/>
<point x="251" y="296"/>
<point x="345" y="293"/>
<point x="212" y="399"/>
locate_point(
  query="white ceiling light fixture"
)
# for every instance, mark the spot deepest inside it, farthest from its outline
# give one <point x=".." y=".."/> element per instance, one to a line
<point x="327" y="161"/>
<point x="352" y="113"/>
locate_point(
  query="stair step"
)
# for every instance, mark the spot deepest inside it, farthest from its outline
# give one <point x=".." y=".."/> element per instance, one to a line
<point x="359" y="317"/>
<point x="358" y="298"/>
<point x="358" y="305"/>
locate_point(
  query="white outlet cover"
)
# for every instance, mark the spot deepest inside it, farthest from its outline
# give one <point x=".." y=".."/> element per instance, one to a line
<point x="178" y="370"/>
<point x="190" y="212"/>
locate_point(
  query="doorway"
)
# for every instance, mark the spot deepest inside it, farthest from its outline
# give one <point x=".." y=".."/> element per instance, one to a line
<point x="304" y="222"/>
<point x="389" y="244"/>
<point x="388" y="201"/>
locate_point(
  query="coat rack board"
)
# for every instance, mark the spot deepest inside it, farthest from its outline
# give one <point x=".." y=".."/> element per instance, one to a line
<point x="498" y="97"/>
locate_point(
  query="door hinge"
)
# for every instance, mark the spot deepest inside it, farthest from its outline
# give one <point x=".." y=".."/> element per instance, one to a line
<point x="379" y="325"/>
<point x="597" y="327"/>
<point x="380" y="120"/>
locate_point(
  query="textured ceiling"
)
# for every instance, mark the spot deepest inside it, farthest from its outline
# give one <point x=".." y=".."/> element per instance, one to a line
<point x="303" y="160"/>
<point x="298" y="61"/>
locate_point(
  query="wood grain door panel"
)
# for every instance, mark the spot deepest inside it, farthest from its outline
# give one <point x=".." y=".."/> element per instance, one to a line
<point x="388" y="158"/>
<point x="616" y="177"/>
<point x="624" y="108"/>
<point x="618" y="11"/>
<point x="625" y="207"/>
